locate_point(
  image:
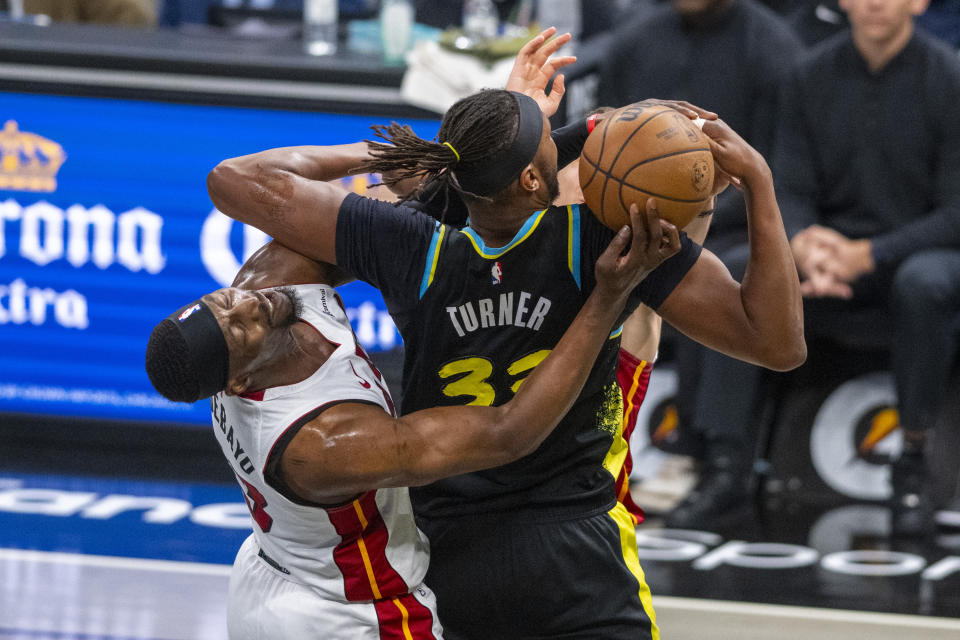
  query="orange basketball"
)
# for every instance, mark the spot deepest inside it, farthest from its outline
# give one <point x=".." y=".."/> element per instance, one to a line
<point x="644" y="151"/>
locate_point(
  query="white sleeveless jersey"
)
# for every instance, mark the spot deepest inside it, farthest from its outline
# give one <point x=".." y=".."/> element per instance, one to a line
<point x="368" y="550"/>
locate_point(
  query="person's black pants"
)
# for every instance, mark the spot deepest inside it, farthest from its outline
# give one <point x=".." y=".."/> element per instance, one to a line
<point x="911" y="310"/>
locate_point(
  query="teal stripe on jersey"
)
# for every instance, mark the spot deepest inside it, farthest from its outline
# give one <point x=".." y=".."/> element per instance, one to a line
<point x="487" y="252"/>
<point x="575" y="268"/>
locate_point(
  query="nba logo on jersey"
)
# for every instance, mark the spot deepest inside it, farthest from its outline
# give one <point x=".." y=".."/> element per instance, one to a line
<point x="496" y="273"/>
<point x="187" y="313"/>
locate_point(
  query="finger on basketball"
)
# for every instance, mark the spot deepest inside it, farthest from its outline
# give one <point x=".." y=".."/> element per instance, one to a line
<point x="719" y="156"/>
<point x="670" y="241"/>
<point x="652" y="223"/>
<point x="693" y="111"/>
<point x="730" y="178"/>
<point x="637" y="226"/>
<point x="715" y="128"/>
<point x="611" y="255"/>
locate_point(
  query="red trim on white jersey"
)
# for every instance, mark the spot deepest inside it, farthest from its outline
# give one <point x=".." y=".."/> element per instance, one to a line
<point x="633" y="374"/>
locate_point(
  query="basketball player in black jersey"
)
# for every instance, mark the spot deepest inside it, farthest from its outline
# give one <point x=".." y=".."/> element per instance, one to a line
<point x="539" y="547"/>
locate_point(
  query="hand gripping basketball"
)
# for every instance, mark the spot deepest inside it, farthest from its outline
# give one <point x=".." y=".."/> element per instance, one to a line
<point x="734" y="158"/>
<point x="651" y="241"/>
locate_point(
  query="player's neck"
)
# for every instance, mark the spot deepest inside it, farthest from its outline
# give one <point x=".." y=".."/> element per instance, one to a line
<point x="497" y="224"/>
<point x="297" y="359"/>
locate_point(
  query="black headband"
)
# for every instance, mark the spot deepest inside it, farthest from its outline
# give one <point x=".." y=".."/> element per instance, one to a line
<point x="205" y="344"/>
<point x="499" y="169"/>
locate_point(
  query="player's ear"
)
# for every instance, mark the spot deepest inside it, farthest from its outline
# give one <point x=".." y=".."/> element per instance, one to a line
<point x="238" y="384"/>
<point x="530" y="178"/>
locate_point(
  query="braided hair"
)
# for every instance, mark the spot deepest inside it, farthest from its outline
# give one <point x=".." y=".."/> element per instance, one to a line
<point x="476" y="127"/>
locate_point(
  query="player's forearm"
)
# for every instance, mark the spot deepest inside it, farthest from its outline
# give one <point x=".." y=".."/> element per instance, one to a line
<point x="247" y="188"/>
<point x="770" y="291"/>
<point x="553" y="387"/>
<point x="311" y="162"/>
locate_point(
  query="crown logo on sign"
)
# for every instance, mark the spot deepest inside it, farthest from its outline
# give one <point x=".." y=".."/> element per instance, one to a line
<point x="28" y="162"/>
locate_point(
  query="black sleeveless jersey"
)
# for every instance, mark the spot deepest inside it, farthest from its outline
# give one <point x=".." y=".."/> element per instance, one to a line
<point x="476" y="320"/>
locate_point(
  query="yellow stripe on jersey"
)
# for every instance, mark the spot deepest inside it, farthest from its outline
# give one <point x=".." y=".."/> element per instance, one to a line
<point x="623" y="490"/>
<point x="634" y="383"/>
<point x="616" y="333"/>
<point x="363" y="552"/>
<point x="524" y="233"/>
<point x="406" y="619"/>
<point x="628" y="546"/>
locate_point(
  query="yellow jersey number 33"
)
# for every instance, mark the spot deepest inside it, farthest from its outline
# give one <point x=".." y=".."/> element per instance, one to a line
<point x="472" y="376"/>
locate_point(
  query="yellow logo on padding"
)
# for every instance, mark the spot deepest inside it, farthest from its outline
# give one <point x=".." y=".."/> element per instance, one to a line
<point x="28" y="162"/>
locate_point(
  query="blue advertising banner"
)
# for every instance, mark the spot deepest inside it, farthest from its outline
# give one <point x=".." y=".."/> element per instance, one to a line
<point x="123" y="517"/>
<point x="106" y="227"/>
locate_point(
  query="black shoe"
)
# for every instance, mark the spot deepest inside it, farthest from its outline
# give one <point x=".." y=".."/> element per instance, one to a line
<point x="721" y="491"/>
<point x="911" y="507"/>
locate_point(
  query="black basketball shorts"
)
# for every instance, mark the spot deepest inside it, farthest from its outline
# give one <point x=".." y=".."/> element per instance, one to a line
<point x="504" y="577"/>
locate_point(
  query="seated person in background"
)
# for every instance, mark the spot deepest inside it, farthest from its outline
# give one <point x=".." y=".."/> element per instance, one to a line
<point x="730" y="56"/>
<point x="131" y="13"/>
<point x="312" y="435"/>
<point x="867" y="165"/>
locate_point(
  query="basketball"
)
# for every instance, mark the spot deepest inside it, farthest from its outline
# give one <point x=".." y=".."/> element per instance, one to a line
<point x="644" y="151"/>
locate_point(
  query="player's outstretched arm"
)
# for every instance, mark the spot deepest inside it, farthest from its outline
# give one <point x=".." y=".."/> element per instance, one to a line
<point x="761" y="320"/>
<point x="285" y="192"/>
<point x="352" y="448"/>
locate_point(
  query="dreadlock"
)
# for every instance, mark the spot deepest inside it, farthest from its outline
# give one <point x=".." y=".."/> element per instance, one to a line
<point x="476" y="126"/>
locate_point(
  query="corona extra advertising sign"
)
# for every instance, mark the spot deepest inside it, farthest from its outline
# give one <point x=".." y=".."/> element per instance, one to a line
<point x="106" y="227"/>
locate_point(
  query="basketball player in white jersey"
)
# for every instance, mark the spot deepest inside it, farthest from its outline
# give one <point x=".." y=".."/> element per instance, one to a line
<point x="311" y="433"/>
